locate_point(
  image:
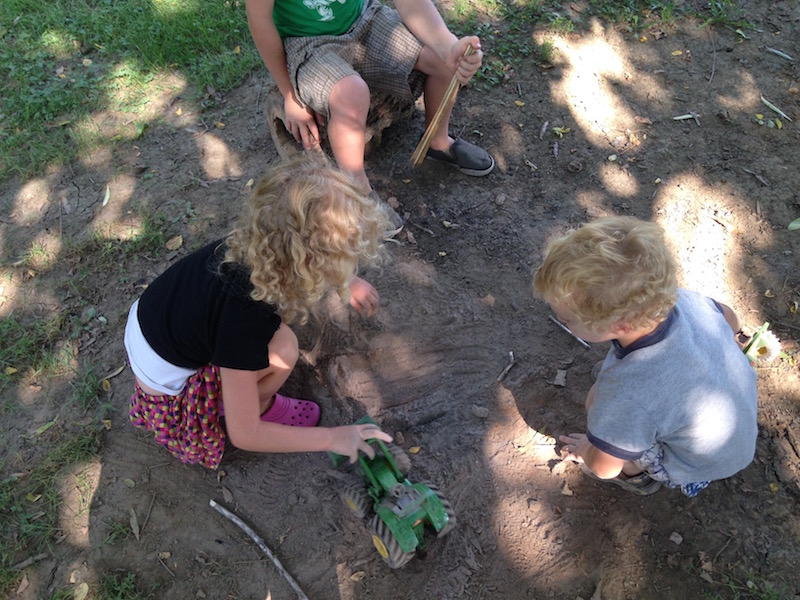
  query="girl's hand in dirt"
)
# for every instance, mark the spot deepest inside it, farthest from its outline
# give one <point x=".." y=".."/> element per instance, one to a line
<point x="301" y="122"/>
<point x="350" y="439"/>
<point x="465" y="66"/>
<point x="363" y="297"/>
<point x="575" y="448"/>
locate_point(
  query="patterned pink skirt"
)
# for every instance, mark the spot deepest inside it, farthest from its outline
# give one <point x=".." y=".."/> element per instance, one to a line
<point x="188" y="424"/>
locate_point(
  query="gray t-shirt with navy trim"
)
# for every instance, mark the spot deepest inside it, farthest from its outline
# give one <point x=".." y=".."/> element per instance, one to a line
<point x="687" y="387"/>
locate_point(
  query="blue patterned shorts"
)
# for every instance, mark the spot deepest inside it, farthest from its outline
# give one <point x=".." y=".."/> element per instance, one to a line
<point x="650" y="463"/>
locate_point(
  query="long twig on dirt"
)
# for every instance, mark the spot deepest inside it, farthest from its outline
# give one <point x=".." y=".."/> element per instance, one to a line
<point x="721" y="550"/>
<point x="260" y="543"/>
<point x="757" y="176"/>
<point x="29" y="561"/>
<point x="163" y="564"/>
<point x="714" y="59"/>
<point x="569" y="331"/>
<point x="511" y="362"/>
<point x="149" y="509"/>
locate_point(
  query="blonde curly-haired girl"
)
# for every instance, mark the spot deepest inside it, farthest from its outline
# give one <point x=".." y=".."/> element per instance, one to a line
<point x="210" y="337"/>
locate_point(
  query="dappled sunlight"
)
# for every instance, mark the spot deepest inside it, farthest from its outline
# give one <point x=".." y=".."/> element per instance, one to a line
<point x="9" y="289"/>
<point x="77" y="488"/>
<point x="697" y="219"/>
<point x="744" y="96"/>
<point x="100" y="158"/>
<point x="593" y="200"/>
<point x="44" y="250"/>
<point x="217" y="159"/>
<point x="118" y="193"/>
<point x="417" y="272"/>
<point x="511" y="137"/>
<point x="592" y="66"/>
<point x="31" y="203"/>
<point x="175" y="9"/>
<point x="618" y="180"/>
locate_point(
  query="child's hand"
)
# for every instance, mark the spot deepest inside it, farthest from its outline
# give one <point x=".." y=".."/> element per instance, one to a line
<point x="301" y="122"/>
<point x="349" y="439"/>
<point x="363" y="297"/>
<point x="465" y="66"/>
<point x="575" y="447"/>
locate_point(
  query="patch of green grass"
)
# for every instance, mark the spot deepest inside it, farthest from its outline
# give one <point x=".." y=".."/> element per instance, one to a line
<point x="546" y="50"/>
<point x="87" y="389"/>
<point x="29" y="502"/>
<point x="117" y="533"/>
<point x="108" y="249"/>
<point x="27" y="344"/>
<point x="62" y="61"/>
<point x="749" y="587"/>
<point x="726" y="13"/>
<point x="560" y="24"/>
<point x="116" y="587"/>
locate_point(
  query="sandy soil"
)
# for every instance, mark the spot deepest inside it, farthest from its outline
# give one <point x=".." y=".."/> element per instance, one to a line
<point x="456" y="301"/>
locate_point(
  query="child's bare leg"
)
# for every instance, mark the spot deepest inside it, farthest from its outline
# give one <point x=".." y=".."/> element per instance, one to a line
<point x="283" y="352"/>
<point x="631" y="468"/>
<point x="436" y="84"/>
<point x="348" y="104"/>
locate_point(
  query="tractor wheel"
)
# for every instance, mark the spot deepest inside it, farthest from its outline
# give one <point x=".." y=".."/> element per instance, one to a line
<point x="451" y="521"/>
<point x="400" y="458"/>
<point x="386" y="544"/>
<point x="357" y="499"/>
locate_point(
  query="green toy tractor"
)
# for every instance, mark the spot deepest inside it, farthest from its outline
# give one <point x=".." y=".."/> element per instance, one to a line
<point x="397" y="510"/>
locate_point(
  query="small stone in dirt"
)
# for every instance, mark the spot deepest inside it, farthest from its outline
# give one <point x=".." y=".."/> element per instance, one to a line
<point x="676" y="538"/>
<point x="575" y="166"/>
<point x="292" y="499"/>
<point x="561" y="378"/>
<point x="480" y="411"/>
<point x="399" y="438"/>
<point x="500" y="199"/>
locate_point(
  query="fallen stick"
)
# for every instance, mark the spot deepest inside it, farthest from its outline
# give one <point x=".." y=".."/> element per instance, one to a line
<point x="449" y="96"/>
<point x="568" y="330"/>
<point x="260" y="543"/>
<point x="511" y="362"/>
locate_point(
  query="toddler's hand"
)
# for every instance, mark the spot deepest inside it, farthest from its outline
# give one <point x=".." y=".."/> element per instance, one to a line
<point x="575" y="446"/>
<point x="301" y="122"/>
<point x="350" y="439"/>
<point x="363" y="297"/>
<point x="465" y="66"/>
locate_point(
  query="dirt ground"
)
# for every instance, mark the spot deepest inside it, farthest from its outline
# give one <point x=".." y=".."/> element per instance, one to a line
<point x="456" y="300"/>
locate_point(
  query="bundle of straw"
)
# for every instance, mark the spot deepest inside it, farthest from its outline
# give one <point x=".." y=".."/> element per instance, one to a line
<point x="433" y="126"/>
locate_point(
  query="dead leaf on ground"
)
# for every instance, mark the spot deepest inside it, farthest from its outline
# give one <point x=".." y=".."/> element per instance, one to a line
<point x="175" y="243"/>
<point x="134" y="524"/>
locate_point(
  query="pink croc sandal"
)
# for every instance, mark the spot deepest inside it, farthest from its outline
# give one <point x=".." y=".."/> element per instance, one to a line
<point x="289" y="411"/>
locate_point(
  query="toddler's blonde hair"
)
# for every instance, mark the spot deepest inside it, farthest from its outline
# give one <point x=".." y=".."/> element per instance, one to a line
<point x="614" y="269"/>
<point x="307" y="228"/>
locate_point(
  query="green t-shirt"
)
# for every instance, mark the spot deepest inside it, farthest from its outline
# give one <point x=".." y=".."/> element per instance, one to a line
<point x="304" y="18"/>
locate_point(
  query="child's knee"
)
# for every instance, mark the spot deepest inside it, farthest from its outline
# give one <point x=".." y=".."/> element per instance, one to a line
<point x="349" y="93"/>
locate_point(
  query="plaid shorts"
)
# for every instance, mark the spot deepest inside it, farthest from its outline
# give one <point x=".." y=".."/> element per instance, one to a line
<point x="188" y="425"/>
<point x="378" y="47"/>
